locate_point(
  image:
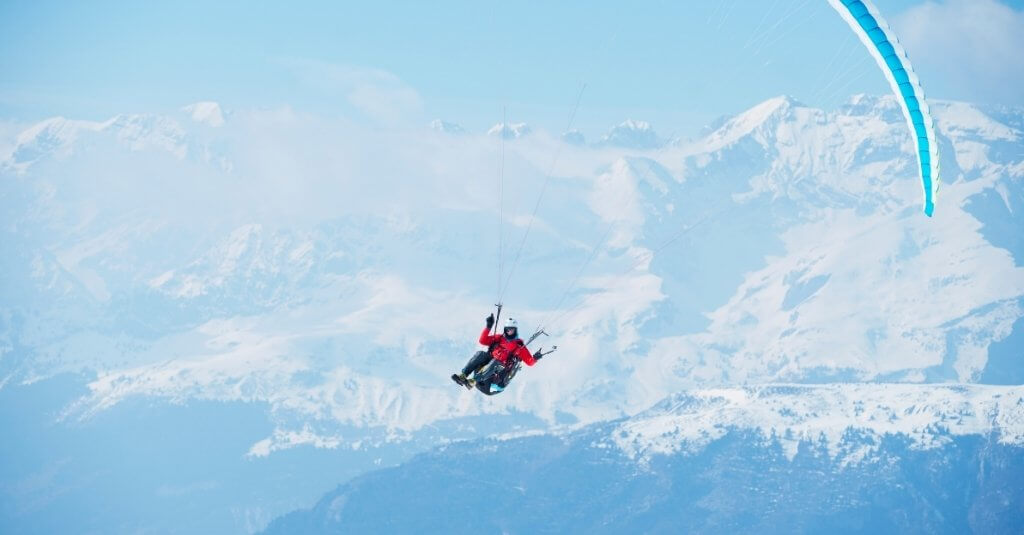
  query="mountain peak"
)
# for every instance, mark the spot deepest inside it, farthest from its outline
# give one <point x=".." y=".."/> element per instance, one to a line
<point x="963" y="119"/>
<point x="144" y="131"/>
<point x="510" y="130"/>
<point x="768" y="112"/>
<point x="574" y="137"/>
<point x="205" y="112"/>
<point x="446" y="127"/>
<point x="883" y="106"/>
<point x="55" y="135"/>
<point x="632" y="134"/>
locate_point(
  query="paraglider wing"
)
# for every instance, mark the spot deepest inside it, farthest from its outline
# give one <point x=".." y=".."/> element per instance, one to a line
<point x="874" y="32"/>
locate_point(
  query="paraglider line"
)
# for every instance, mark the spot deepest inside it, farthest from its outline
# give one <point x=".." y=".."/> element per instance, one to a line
<point x="728" y="12"/>
<point x="647" y="257"/>
<point x="540" y="197"/>
<point x="501" y="202"/>
<point x="782" y="35"/>
<point x="768" y="32"/>
<point x="859" y="69"/>
<point x="579" y="273"/>
<point x="718" y="6"/>
<point x="832" y="68"/>
<point x="760" y="24"/>
<point x="597" y="247"/>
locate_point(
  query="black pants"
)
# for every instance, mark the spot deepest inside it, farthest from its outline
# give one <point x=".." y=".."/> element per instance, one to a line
<point x="479" y="360"/>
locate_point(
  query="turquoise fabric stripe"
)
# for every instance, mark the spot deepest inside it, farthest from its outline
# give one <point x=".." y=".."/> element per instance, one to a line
<point x="900" y="72"/>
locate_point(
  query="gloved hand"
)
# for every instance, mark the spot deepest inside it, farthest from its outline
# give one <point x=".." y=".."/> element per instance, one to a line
<point x="538" y="355"/>
<point x="490" y="321"/>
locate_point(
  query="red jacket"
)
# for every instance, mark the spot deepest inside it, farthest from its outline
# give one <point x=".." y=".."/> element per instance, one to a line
<point x="503" y="347"/>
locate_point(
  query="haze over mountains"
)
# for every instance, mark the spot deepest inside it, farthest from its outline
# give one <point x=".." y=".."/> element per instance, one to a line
<point x="309" y="284"/>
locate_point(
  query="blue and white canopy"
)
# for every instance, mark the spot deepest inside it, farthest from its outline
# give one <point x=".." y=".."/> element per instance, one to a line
<point x="874" y="32"/>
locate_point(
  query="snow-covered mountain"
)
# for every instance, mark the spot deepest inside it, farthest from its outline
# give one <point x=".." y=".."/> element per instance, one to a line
<point x="774" y="459"/>
<point x="61" y="139"/>
<point x="329" y="277"/>
<point x="785" y="245"/>
<point x="632" y="134"/>
<point x="574" y="137"/>
<point x="447" y="127"/>
<point x="510" y="130"/>
<point x="206" y="112"/>
<point x="928" y="416"/>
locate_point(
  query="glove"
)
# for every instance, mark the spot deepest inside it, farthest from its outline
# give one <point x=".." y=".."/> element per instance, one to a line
<point x="490" y="321"/>
<point x="538" y="355"/>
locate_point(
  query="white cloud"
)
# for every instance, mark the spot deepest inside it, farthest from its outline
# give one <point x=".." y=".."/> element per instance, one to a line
<point x="362" y="259"/>
<point x="379" y="94"/>
<point x="9" y="131"/>
<point x="510" y="130"/>
<point x="975" y="45"/>
<point x="447" y="127"/>
<point x="208" y="113"/>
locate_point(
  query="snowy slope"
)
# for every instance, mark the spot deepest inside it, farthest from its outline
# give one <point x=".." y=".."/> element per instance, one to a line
<point x="782" y="246"/>
<point x="632" y="134"/>
<point x="775" y="459"/>
<point x="843" y="280"/>
<point x="929" y="416"/>
<point x="307" y="285"/>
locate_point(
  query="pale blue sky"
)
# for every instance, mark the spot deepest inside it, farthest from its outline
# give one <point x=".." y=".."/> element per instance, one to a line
<point x="675" y="64"/>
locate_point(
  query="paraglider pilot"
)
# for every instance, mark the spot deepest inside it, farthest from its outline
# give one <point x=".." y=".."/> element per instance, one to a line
<point x="500" y="347"/>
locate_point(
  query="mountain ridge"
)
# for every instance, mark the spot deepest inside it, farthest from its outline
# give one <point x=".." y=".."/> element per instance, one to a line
<point x="760" y="310"/>
<point x="737" y="479"/>
<point x="304" y="287"/>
